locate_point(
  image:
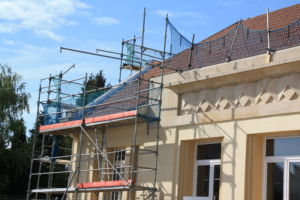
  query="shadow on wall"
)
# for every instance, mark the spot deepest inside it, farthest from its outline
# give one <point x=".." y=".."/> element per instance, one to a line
<point x="170" y="155"/>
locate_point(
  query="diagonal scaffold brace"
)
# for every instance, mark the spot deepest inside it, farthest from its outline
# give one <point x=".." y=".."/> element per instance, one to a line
<point x="104" y="155"/>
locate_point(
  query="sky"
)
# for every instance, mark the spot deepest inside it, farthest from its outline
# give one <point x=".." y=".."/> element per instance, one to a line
<point x="32" y="31"/>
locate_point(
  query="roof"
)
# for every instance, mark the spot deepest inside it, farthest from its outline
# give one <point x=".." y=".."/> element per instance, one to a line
<point x="215" y="48"/>
<point x="277" y="19"/>
<point x="250" y="39"/>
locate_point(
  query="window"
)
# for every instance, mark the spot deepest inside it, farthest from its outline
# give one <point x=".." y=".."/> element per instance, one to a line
<point x="119" y="163"/>
<point x="207" y="171"/>
<point x="209" y="151"/>
<point x="283" y="146"/>
<point x="282" y="169"/>
<point x="275" y="181"/>
<point x="202" y="188"/>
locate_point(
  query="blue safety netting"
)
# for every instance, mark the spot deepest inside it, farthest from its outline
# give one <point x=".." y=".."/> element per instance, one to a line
<point x="68" y="105"/>
<point x="65" y="101"/>
<point x="178" y="42"/>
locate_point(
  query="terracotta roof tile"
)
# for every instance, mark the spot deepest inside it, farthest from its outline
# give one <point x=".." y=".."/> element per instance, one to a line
<point x="278" y="19"/>
<point x="214" y="52"/>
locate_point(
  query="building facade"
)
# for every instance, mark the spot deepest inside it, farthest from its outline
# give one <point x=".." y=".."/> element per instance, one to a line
<point x="228" y="129"/>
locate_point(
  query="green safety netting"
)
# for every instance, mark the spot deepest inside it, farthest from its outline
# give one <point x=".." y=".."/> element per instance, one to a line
<point x="131" y="56"/>
<point x="67" y="101"/>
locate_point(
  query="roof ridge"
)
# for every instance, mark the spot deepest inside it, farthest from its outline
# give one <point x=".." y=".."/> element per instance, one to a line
<point x="274" y="11"/>
<point x="226" y="30"/>
<point x="256" y="22"/>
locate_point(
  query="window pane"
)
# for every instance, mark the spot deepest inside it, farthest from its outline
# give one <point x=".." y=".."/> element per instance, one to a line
<point x="203" y="181"/>
<point x="209" y="151"/>
<point x="216" y="182"/>
<point x="275" y="181"/>
<point x="283" y="146"/>
<point x="294" y="181"/>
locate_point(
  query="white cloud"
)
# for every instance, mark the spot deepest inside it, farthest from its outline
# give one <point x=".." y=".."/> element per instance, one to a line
<point x="229" y="3"/>
<point x="41" y="17"/>
<point x="49" y="34"/>
<point x="187" y="15"/>
<point x="164" y="13"/>
<point x="179" y="14"/>
<point x="8" y="28"/>
<point x="103" y="21"/>
<point x="9" y="42"/>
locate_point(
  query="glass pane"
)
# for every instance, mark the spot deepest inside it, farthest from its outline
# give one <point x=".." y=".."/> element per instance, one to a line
<point x="294" y="181"/>
<point x="209" y="151"/>
<point x="216" y="182"/>
<point x="203" y="181"/>
<point x="275" y="181"/>
<point x="283" y="146"/>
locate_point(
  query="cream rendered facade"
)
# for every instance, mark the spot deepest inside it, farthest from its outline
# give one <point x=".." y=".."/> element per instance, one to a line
<point x="238" y="104"/>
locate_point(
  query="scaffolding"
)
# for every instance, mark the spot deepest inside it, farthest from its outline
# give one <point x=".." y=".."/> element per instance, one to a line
<point x="71" y="110"/>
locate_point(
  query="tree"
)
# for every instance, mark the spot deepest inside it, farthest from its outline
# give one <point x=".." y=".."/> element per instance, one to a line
<point x="13" y="103"/>
<point x="15" y="150"/>
<point x="94" y="81"/>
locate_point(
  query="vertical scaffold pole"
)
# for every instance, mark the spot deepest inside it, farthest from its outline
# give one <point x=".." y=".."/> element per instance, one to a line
<point x="49" y="91"/>
<point x="191" y="51"/>
<point x="98" y="154"/>
<point x="103" y="148"/>
<point x="58" y="109"/>
<point x="48" y="101"/>
<point x="99" y="160"/>
<point x="54" y="138"/>
<point x="52" y="163"/>
<point x="34" y="141"/>
<point x="81" y="136"/>
<point x="134" y="146"/>
<point x="43" y="141"/>
<point x="40" y="165"/>
<point x="268" y="32"/>
<point x="133" y="54"/>
<point x="162" y="71"/>
<point x="121" y="61"/>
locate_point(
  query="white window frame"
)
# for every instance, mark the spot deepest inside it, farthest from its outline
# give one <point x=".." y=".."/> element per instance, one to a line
<point x="211" y="163"/>
<point x="286" y="160"/>
<point x="116" y="195"/>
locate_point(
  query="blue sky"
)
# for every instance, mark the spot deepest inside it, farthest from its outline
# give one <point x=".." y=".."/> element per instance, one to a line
<point x="31" y="31"/>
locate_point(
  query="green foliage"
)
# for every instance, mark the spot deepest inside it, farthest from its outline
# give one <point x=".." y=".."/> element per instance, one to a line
<point x="14" y="165"/>
<point x="15" y="149"/>
<point x="13" y="102"/>
<point x="94" y="81"/>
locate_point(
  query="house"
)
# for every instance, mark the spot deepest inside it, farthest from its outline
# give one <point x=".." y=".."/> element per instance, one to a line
<point x="225" y="127"/>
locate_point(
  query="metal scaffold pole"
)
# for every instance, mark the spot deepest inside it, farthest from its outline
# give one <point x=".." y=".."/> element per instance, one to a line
<point x="191" y="51"/>
<point x="43" y="144"/>
<point x="134" y="139"/>
<point x="133" y="54"/>
<point x="54" y="138"/>
<point x="81" y="136"/>
<point x="121" y="61"/>
<point x="33" y="144"/>
<point x="40" y="165"/>
<point x="268" y="31"/>
<point x="162" y="70"/>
